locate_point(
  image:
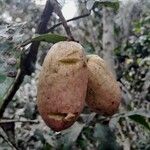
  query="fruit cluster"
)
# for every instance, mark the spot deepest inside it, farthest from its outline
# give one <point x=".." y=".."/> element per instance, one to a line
<point x="68" y="80"/>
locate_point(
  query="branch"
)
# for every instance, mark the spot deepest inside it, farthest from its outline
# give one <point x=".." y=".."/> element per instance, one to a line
<point x="5" y="138"/>
<point x="58" y="11"/>
<point x="14" y="121"/>
<point x="75" y="18"/>
<point x="28" y="61"/>
<point x="13" y="89"/>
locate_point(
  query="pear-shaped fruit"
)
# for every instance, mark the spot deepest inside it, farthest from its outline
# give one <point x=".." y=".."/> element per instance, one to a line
<point x="103" y="93"/>
<point x="62" y="85"/>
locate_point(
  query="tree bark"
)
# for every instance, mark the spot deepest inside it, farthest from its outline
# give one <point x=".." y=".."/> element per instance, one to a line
<point x="108" y="38"/>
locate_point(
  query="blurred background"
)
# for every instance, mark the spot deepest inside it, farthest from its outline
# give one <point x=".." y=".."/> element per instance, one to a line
<point x="117" y="31"/>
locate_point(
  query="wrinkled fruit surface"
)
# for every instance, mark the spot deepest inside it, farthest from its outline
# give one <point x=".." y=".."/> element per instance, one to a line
<point x="62" y="85"/>
<point x="103" y="93"/>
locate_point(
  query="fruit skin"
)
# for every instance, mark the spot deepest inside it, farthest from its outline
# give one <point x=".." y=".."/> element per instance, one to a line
<point x="62" y="85"/>
<point x="103" y="92"/>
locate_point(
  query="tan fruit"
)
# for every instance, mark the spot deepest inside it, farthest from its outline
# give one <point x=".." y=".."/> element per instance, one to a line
<point x="103" y="93"/>
<point x="62" y="85"/>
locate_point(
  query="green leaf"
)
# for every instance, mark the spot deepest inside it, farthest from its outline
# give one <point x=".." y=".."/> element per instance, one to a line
<point x="140" y="116"/>
<point x="112" y="4"/>
<point x="47" y="147"/>
<point x="50" y="38"/>
<point x="9" y="56"/>
<point x="141" y="120"/>
<point x="2" y="78"/>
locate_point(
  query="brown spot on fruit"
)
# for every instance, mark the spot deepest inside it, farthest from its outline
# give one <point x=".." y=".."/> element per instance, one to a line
<point x="84" y="64"/>
<point x="72" y="53"/>
<point x="69" y="61"/>
<point x="55" y="70"/>
<point x="57" y="116"/>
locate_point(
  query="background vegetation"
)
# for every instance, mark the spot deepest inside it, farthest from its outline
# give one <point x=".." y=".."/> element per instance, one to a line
<point x="118" y="31"/>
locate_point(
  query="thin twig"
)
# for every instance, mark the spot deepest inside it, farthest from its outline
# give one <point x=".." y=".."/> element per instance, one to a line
<point x="18" y="80"/>
<point x="55" y="26"/>
<point x="22" y="121"/>
<point x="58" y="11"/>
<point x="28" y="41"/>
<point x="31" y="57"/>
<point x="72" y="19"/>
<point x="6" y="139"/>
